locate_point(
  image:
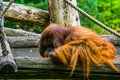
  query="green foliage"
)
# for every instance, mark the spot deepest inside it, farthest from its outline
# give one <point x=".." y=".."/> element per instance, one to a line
<point x="106" y="11"/>
<point x="34" y="3"/>
<point x="24" y="26"/>
<point x="111" y="9"/>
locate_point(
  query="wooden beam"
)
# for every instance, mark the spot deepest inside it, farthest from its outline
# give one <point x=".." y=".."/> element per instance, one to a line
<point x="26" y="14"/>
<point x="32" y="41"/>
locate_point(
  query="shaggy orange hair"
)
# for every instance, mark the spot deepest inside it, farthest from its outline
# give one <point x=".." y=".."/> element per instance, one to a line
<point x="73" y="44"/>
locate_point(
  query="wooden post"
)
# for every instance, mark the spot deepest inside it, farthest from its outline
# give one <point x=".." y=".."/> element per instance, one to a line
<point x="62" y="13"/>
<point x="7" y="63"/>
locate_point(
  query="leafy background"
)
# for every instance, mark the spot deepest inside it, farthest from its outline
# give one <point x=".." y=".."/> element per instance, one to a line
<point x="106" y="11"/>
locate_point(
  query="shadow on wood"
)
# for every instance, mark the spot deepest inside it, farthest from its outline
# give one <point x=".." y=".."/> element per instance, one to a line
<point x="7" y="62"/>
<point x="7" y="67"/>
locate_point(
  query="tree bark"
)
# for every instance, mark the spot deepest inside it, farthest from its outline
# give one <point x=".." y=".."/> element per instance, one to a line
<point x="25" y="14"/>
<point x="62" y="13"/>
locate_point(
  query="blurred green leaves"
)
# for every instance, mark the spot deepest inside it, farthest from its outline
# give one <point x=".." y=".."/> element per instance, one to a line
<point x="34" y="3"/>
<point x="106" y="11"/>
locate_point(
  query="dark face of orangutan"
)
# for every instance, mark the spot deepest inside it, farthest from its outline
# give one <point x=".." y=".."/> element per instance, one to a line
<point x="52" y="37"/>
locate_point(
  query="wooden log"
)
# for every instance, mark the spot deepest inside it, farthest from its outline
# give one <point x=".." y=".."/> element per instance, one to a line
<point x="7" y="63"/>
<point x="32" y="41"/>
<point x="25" y="14"/>
<point x="19" y="32"/>
<point x="113" y="39"/>
<point x="31" y="65"/>
<point x="23" y="41"/>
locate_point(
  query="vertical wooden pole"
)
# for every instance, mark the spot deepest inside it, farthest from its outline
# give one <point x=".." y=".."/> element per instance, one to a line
<point x="7" y="63"/>
<point x="62" y="13"/>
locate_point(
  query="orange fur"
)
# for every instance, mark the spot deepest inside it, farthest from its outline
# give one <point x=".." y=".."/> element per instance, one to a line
<point x="74" y="45"/>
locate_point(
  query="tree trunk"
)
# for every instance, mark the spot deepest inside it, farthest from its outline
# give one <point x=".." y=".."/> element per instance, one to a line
<point x="62" y="13"/>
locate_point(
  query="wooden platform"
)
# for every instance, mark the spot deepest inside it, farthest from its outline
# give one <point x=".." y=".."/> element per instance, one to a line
<point x="31" y="65"/>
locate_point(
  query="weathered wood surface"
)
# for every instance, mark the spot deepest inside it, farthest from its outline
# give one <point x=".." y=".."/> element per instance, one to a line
<point x="31" y="65"/>
<point x="32" y="41"/>
<point x="113" y="39"/>
<point x="62" y="13"/>
<point x="19" y="32"/>
<point x="7" y="63"/>
<point x="26" y="14"/>
<point x="23" y="41"/>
